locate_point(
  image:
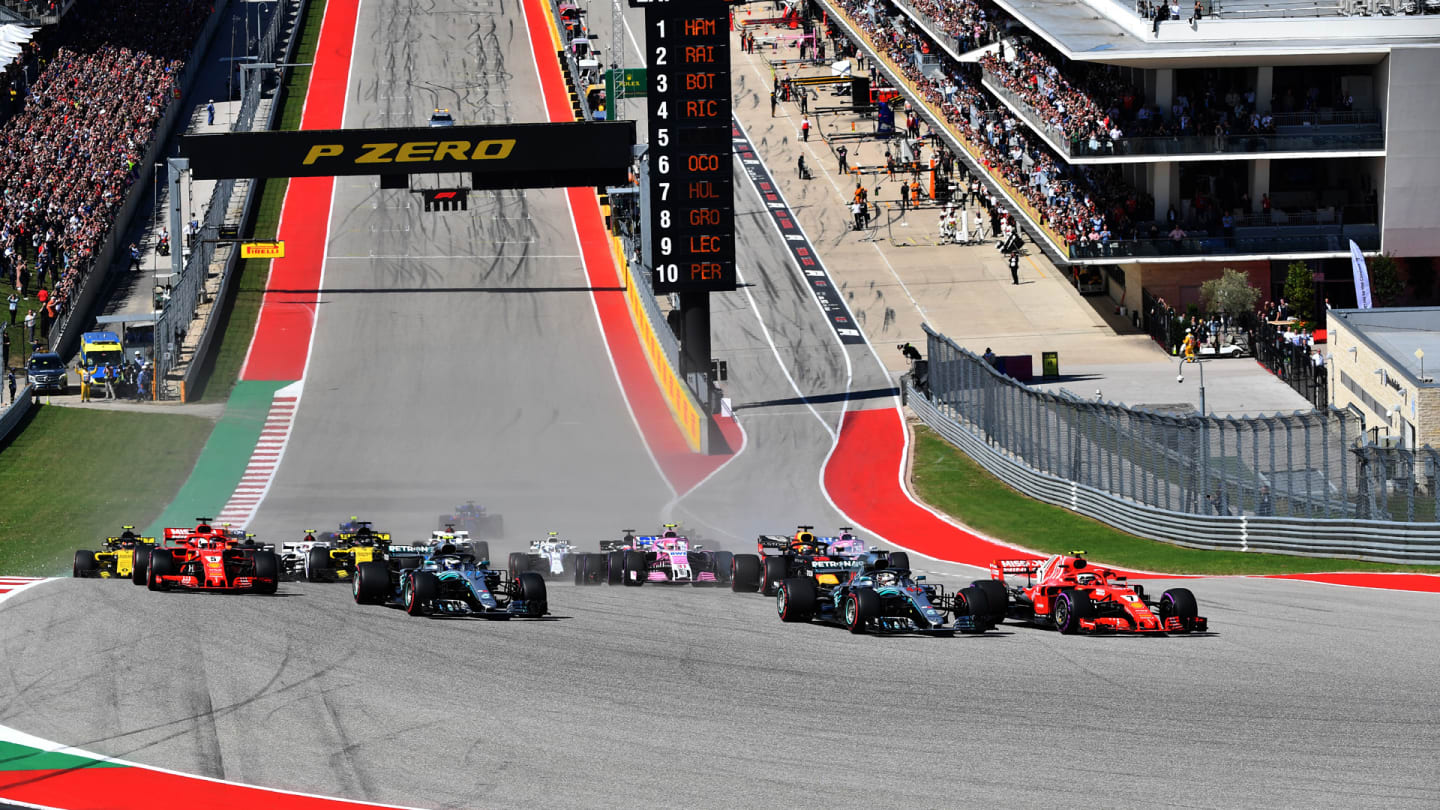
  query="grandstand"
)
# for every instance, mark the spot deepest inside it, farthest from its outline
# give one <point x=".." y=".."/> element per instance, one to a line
<point x="83" y="102"/>
<point x="1259" y="133"/>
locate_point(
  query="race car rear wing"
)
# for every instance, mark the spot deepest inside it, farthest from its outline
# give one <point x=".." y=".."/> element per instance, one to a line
<point x="999" y="568"/>
<point x="380" y="537"/>
<point x="772" y="544"/>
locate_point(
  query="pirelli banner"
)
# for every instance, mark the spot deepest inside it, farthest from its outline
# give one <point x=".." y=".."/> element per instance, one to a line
<point x="586" y="153"/>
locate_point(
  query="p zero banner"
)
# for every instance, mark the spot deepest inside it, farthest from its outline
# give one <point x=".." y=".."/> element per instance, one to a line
<point x="1362" y="277"/>
<point x="590" y="153"/>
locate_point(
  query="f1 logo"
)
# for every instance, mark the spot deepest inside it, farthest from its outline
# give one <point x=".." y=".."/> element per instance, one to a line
<point x="446" y="199"/>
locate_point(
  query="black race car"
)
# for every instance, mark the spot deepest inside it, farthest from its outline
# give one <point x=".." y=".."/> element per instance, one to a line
<point x="827" y="559"/>
<point x="473" y="518"/>
<point x="885" y="600"/>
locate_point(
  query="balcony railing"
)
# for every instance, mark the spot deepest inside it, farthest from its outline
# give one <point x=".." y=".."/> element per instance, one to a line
<point x="1333" y="240"/>
<point x="1361" y="130"/>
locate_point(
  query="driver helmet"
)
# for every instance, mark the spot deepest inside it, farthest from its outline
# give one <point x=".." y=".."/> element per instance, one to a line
<point x="885" y="579"/>
<point x="450" y="563"/>
<point x="1086" y="578"/>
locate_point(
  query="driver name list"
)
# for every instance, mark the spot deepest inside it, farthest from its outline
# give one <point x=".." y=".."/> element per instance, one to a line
<point x="692" y="202"/>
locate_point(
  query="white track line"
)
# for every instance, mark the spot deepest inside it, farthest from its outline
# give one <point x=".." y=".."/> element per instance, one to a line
<point x="11" y="586"/>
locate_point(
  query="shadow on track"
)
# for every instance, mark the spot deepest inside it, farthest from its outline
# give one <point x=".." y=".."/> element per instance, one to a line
<point x="873" y="393"/>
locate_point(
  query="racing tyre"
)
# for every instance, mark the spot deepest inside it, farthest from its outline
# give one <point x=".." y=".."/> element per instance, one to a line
<point x="372" y="581"/>
<point x="139" y="564"/>
<point x="796" y="599"/>
<point x="162" y="563"/>
<point x="615" y="567"/>
<point x="530" y="587"/>
<point x="517" y="564"/>
<point x="1179" y="602"/>
<point x="774" y="574"/>
<point x="267" y="566"/>
<point x="996" y="596"/>
<point x="421" y="589"/>
<point x="860" y="607"/>
<point x="723" y="565"/>
<point x="592" y="569"/>
<point x="745" y="573"/>
<point x="482" y="551"/>
<point x="900" y="561"/>
<point x="1069" y="607"/>
<point x="977" y="604"/>
<point x="86" y="565"/>
<point x="635" y="568"/>
<point x="317" y="564"/>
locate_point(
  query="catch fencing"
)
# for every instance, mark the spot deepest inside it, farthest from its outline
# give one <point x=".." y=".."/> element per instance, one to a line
<point x="180" y="309"/>
<point x="1301" y="483"/>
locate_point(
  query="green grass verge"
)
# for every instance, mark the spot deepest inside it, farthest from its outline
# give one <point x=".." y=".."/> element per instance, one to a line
<point x="239" y="313"/>
<point x="951" y="482"/>
<point x="72" y="476"/>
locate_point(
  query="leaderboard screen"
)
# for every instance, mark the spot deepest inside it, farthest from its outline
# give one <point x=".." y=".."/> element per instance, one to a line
<point x="692" y="200"/>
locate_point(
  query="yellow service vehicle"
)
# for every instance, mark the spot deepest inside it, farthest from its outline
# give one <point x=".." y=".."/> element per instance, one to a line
<point x="118" y="558"/>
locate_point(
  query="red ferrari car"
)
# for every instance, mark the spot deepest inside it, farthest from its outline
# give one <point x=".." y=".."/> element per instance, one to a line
<point x="209" y="559"/>
<point x="1073" y="596"/>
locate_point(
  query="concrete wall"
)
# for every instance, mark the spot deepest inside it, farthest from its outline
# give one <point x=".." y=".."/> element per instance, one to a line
<point x="1410" y="220"/>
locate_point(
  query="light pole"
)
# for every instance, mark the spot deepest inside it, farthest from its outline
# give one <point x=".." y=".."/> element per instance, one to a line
<point x="1180" y="378"/>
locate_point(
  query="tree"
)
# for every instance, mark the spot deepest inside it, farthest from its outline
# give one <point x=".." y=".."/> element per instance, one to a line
<point x="1300" y="291"/>
<point x="1230" y="294"/>
<point x="1385" y="286"/>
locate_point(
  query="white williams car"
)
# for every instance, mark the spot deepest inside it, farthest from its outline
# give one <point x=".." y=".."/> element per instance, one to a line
<point x="551" y="557"/>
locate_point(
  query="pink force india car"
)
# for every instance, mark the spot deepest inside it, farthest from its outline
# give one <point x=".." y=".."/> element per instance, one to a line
<point x="665" y="558"/>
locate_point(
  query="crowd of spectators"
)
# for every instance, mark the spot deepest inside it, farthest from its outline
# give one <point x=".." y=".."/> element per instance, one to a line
<point x="1087" y="207"/>
<point x="968" y="23"/>
<point x="1093" y="108"/>
<point x="72" y="150"/>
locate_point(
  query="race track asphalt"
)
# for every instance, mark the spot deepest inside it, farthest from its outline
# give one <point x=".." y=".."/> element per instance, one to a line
<point x="452" y="361"/>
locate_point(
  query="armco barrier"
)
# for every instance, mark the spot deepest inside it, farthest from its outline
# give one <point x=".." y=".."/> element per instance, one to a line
<point x="1372" y="540"/>
<point x="15" y="412"/>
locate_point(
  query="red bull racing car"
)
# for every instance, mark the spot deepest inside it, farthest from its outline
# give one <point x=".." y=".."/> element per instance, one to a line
<point x="208" y="559"/>
<point x="1074" y="596"/>
<point x="828" y="560"/>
